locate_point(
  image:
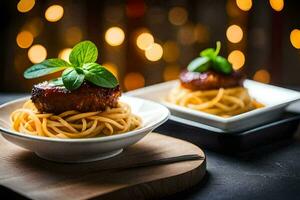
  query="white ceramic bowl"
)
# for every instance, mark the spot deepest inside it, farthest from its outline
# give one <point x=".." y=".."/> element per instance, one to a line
<point x="274" y="98"/>
<point x="89" y="149"/>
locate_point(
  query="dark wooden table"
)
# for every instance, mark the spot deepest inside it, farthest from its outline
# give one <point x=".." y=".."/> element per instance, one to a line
<point x="267" y="172"/>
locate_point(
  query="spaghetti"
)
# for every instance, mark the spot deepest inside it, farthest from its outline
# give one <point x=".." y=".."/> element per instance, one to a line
<point x="221" y="102"/>
<point x="73" y="124"/>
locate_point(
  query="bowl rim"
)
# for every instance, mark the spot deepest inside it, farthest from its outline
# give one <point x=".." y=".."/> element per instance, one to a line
<point x="165" y="115"/>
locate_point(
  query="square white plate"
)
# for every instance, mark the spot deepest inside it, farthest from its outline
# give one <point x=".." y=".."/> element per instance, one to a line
<point x="274" y="98"/>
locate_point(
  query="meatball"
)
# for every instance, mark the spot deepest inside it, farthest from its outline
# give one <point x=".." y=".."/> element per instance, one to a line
<point x="49" y="98"/>
<point x="210" y="80"/>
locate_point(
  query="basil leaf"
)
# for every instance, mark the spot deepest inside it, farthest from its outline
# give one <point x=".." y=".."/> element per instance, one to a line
<point x="210" y="53"/>
<point x="83" y="52"/>
<point x="72" y="79"/>
<point x="218" y="48"/>
<point x="100" y="76"/>
<point x="200" y="64"/>
<point x="57" y="82"/>
<point x="221" y="64"/>
<point x="46" y="67"/>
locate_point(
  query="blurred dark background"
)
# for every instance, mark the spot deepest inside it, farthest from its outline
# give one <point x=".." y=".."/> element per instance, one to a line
<point x="147" y="42"/>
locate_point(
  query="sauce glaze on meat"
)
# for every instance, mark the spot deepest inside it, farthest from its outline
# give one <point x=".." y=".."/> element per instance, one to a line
<point x="210" y="80"/>
<point x="87" y="98"/>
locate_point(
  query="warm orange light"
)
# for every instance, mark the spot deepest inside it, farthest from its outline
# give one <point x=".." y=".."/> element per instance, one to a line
<point x="262" y="76"/>
<point x="54" y="13"/>
<point x="111" y="67"/>
<point x="244" y="5"/>
<point x="234" y="33"/>
<point x="37" y="53"/>
<point x="277" y="5"/>
<point x="295" y="38"/>
<point x="201" y="33"/>
<point x="34" y="26"/>
<point x="114" y="36"/>
<point x="237" y="59"/>
<point x="134" y="80"/>
<point x="25" y="5"/>
<point x="154" y="52"/>
<point x="144" y="40"/>
<point x="24" y="39"/>
<point x="171" y="72"/>
<point x="171" y="51"/>
<point x="73" y="35"/>
<point x="178" y="16"/>
<point x="64" y="54"/>
<point x="186" y="34"/>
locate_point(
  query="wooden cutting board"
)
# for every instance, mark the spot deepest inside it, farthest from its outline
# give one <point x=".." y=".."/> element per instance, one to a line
<point x="25" y="173"/>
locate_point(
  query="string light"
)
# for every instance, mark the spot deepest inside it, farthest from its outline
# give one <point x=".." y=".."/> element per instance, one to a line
<point x="25" y="5"/>
<point x="237" y="59"/>
<point x="178" y="16"/>
<point x="54" y="13"/>
<point x="277" y="5"/>
<point x="134" y="80"/>
<point x="37" y="53"/>
<point x="64" y="54"/>
<point x="24" y="39"/>
<point x="295" y="38"/>
<point x="262" y="76"/>
<point x="114" y="36"/>
<point x="244" y="5"/>
<point x="154" y="52"/>
<point x="144" y="40"/>
<point x="234" y="33"/>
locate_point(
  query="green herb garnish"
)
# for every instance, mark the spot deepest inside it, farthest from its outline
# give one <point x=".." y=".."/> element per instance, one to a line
<point x="82" y="67"/>
<point x="209" y="59"/>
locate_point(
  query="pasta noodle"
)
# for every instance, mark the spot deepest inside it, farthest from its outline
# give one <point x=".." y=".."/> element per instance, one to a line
<point x="221" y="102"/>
<point x="73" y="124"/>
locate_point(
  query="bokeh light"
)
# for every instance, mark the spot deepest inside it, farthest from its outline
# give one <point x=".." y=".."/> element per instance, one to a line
<point x="111" y="67"/>
<point x="25" y="5"/>
<point x="134" y="80"/>
<point x="24" y="39"/>
<point x="186" y="34"/>
<point x="171" y="72"/>
<point x="244" y="5"/>
<point x="144" y="40"/>
<point x="170" y="51"/>
<point x="54" y="13"/>
<point x="34" y="26"/>
<point x="37" y="53"/>
<point x="237" y="59"/>
<point x="277" y="5"/>
<point x="262" y="75"/>
<point x="65" y="53"/>
<point x="154" y="52"/>
<point x="232" y="9"/>
<point x="73" y="35"/>
<point x="234" y="33"/>
<point x="201" y="33"/>
<point x="178" y="16"/>
<point x="114" y="36"/>
<point x="295" y="38"/>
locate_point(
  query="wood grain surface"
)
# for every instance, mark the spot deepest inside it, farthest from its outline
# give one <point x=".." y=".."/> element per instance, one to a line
<point x="25" y="173"/>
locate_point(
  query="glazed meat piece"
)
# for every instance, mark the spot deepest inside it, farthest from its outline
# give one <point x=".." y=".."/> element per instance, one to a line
<point x="210" y="80"/>
<point x="88" y="97"/>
